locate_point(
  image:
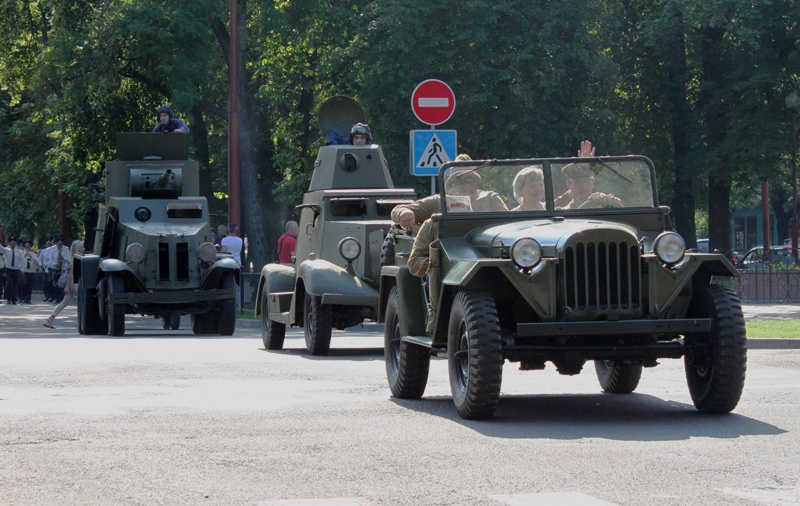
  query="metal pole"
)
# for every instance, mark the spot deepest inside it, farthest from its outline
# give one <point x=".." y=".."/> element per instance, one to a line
<point x="794" y="186"/>
<point x="765" y="229"/>
<point x="234" y="110"/>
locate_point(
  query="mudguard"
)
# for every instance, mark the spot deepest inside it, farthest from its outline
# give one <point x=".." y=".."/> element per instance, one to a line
<point x="274" y="279"/>
<point x="220" y="267"/>
<point x="112" y="265"/>
<point x="335" y="285"/>
<point x="86" y="267"/>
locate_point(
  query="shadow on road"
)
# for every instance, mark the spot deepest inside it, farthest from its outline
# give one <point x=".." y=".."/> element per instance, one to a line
<point x="355" y="354"/>
<point x="634" y="417"/>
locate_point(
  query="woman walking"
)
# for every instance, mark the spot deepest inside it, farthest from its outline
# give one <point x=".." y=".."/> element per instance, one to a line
<point x="70" y="289"/>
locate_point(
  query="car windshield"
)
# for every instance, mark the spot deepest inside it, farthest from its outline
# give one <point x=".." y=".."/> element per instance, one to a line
<point x="548" y="185"/>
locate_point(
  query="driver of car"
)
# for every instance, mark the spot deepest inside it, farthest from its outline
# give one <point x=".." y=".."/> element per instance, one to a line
<point x="462" y="183"/>
<point x="580" y="192"/>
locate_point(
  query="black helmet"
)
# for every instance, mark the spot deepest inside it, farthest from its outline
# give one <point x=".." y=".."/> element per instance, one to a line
<point x="164" y="108"/>
<point x="363" y="129"/>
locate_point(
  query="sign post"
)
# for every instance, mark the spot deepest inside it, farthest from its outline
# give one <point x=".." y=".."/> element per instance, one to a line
<point x="433" y="103"/>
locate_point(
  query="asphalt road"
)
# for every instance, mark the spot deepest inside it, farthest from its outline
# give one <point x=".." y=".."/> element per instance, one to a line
<point x="171" y="418"/>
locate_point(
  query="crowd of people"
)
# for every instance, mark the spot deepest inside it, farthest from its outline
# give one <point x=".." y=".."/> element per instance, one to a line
<point x="21" y="263"/>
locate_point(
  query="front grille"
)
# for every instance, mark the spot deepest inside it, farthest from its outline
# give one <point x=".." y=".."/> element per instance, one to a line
<point x="602" y="275"/>
<point x="173" y="256"/>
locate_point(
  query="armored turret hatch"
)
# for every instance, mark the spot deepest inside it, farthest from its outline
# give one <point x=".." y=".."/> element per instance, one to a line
<point x="152" y="166"/>
<point x="346" y="166"/>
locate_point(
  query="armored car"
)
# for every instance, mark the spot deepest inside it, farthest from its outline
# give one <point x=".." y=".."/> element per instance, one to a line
<point x="153" y="252"/>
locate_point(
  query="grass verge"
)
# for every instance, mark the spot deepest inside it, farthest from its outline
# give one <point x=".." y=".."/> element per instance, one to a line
<point x="775" y="329"/>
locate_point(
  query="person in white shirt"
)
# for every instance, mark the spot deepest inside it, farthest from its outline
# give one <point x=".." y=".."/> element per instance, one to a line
<point x="233" y="244"/>
<point x="2" y="271"/>
<point x="44" y="264"/>
<point x="14" y="261"/>
<point x="30" y="265"/>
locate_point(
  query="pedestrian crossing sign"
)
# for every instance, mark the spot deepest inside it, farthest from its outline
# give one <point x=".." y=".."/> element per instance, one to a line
<point x="430" y="149"/>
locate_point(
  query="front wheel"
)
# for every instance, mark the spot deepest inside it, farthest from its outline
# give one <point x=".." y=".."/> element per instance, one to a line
<point x="716" y="361"/>
<point x="407" y="364"/>
<point x="272" y="332"/>
<point x="87" y="309"/>
<point x="317" y="325"/>
<point x="172" y="322"/>
<point x="116" y="312"/>
<point x="617" y="377"/>
<point x="226" y="319"/>
<point x="475" y="354"/>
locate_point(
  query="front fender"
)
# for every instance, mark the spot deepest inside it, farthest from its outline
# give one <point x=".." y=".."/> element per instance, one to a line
<point x="218" y="269"/>
<point x="335" y="285"/>
<point x="275" y="278"/>
<point x="110" y="266"/>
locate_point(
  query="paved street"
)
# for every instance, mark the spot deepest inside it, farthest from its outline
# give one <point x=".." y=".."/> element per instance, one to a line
<point x="172" y="418"/>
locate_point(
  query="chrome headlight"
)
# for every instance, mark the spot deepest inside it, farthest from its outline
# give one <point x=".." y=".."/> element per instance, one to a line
<point x="526" y="253"/>
<point x="134" y="253"/>
<point x="349" y="249"/>
<point x="669" y="247"/>
<point x="207" y="252"/>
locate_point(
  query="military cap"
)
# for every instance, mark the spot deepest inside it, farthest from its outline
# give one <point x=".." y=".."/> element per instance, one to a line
<point x="462" y="177"/>
<point x="577" y="170"/>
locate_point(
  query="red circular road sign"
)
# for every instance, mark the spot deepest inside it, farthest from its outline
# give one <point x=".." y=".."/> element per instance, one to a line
<point x="433" y="102"/>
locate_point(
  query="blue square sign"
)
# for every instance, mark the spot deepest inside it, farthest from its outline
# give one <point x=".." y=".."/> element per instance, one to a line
<point x="430" y="149"/>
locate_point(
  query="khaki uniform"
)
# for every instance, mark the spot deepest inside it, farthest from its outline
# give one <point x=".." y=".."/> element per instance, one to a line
<point x="423" y="209"/>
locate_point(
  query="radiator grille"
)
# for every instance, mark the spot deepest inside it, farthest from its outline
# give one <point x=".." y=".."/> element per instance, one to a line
<point x="602" y="275"/>
<point x="173" y="256"/>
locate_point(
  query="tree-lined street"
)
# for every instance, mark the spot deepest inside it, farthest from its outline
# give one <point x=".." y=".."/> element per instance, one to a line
<point x="174" y="418"/>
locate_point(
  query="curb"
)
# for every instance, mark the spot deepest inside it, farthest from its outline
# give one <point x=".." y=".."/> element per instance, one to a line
<point x="752" y="344"/>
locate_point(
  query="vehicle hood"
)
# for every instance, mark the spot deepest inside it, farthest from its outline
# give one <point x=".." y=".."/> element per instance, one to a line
<point x="551" y="234"/>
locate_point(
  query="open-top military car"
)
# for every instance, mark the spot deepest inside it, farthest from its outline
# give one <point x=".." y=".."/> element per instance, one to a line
<point x="153" y="252"/>
<point x="565" y="277"/>
<point x="344" y="219"/>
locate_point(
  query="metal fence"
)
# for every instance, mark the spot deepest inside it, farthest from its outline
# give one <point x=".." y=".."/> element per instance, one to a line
<point x="771" y="283"/>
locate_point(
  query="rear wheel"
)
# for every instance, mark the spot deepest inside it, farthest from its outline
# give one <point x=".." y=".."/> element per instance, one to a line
<point x="617" y="377"/>
<point x="407" y="364"/>
<point x="172" y="322"/>
<point x="203" y="323"/>
<point x="475" y="354"/>
<point x="226" y="319"/>
<point x="318" y="323"/>
<point x="116" y="311"/>
<point x="272" y="332"/>
<point x="716" y="361"/>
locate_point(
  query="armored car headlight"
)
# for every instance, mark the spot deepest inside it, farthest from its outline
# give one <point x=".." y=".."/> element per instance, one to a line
<point x="134" y="253"/>
<point x="142" y="214"/>
<point x="349" y="249"/>
<point x="526" y="253"/>
<point x="669" y="247"/>
<point x="207" y="252"/>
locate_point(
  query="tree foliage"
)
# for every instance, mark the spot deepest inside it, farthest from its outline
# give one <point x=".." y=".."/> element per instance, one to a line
<point x="698" y="87"/>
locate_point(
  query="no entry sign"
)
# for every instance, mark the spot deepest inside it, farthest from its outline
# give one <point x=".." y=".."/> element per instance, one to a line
<point x="433" y="102"/>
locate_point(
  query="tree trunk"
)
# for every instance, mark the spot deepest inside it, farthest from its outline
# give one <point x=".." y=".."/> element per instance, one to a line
<point x="683" y="202"/>
<point x="719" y="215"/>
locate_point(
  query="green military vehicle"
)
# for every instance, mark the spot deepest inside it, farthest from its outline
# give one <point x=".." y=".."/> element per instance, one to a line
<point x="153" y="252"/>
<point x="344" y="219"/>
<point x="590" y="274"/>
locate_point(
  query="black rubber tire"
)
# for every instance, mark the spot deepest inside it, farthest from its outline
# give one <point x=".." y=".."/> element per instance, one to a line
<point x="617" y="378"/>
<point x="115" y="312"/>
<point x="225" y="321"/>
<point x="387" y="251"/>
<point x="82" y="316"/>
<point x="475" y="355"/>
<point x="407" y="364"/>
<point x="172" y="322"/>
<point x="272" y="332"/>
<point x="716" y="362"/>
<point x="203" y="323"/>
<point x="317" y="325"/>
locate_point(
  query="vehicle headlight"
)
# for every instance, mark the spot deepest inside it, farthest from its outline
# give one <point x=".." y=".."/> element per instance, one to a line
<point x="526" y="252"/>
<point x="349" y="249"/>
<point x="669" y="247"/>
<point x="207" y="252"/>
<point x="134" y="253"/>
<point x="142" y="214"/>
